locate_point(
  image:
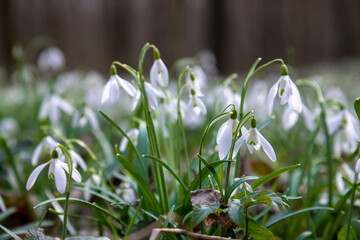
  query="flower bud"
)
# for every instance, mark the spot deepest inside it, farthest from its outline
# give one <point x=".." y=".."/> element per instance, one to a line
<point x="283" y="70"/>
<point x="234" y="114"/>
<point x="54" y="154"/>
<point x="253" y="123"/>
<point x="113" y="70"/>
<point x="156" y="54"/>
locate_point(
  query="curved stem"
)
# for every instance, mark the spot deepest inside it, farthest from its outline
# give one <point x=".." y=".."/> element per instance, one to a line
<point x="247" y="79"/>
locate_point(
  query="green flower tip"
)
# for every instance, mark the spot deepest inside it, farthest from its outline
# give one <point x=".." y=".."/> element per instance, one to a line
<point x="192" y="91"/>
<point x="234" y="114"/>
<point x="54" y="154"/>
<point x="192" y="76"/>
<point x="113" y="70"/>
<point x="253" y="123"/>
<point x="357" y="107"/>
<point x="156" y="54"/>
<point x="283" y="70"/>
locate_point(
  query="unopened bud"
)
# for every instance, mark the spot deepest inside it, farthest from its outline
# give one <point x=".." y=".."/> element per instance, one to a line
<point x="283" y="70"/>
<point x="253" y="123"/>
<point x="113" y="70"/>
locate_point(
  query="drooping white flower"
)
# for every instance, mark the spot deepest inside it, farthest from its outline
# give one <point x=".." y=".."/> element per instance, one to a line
<point x="159" y="73"/>
<point x="80" y="119"/>
<point x="51" y="106"/>
<point x="197" y="80"/>
<point x="290" y="117"/>
<point x="254" y="140"/>
<point x="152" y="92"/>
<point x="111" y="90"/>
<point x="287" y="92"/>
<point x="52" y="59"/>
<point x="133" y="135"/>
<point x="195" y="104"/>
<point x="47" y="144"/>
<point x="57" y="171"/>
<point x="77" y="159"/>
<point x="225" y="135"/>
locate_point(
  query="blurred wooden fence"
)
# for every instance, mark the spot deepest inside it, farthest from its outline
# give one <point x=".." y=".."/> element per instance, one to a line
<point x="93" y="33"/>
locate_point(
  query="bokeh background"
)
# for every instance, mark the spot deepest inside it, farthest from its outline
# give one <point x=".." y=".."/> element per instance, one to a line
<point x="93" y="33"/>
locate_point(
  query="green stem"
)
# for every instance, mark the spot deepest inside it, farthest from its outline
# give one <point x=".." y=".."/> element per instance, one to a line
<point x="158" y="170"/>
<point x="351" y="205"/>
<point x="246" y="225"/>
<point x="181" y="125"/>
<point x="247" y="79"/>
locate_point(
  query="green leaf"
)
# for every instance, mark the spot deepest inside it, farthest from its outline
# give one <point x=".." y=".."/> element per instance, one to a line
<point x="252" y="69"/>
<point x="132" y="221"/>
<point x="257" y="231"/>
<point x="83" y="203"/>
<point x="202" y="211"/>
<point x="236" y="212"/>
<point x="357" y="107"/>
<point x="212" y="170"/>
<point x="281" y="217"/>
<point x="142" y="183"/>
<point x="236" y="184"/>
<point x="165" y="165"/>
<point x="354" y="233"/>
<point x="8" y="231"/>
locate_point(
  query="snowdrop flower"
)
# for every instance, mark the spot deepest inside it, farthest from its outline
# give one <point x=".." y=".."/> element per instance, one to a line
<point x="152" y="92"/>
<point x="111" y="90"/>
<point x="349" y="131"/>
<point x="47" y="144"/>
<point x="290" y="117"/>
<point x="226" y="134"/>
<point x="197" y="79"/>
<point x="256" y="100"/>
<point x="159" y="73"/>
<point x="57" y="171"/>
<point x="51" y="59"/>
<point x="81" y="119"/>
<point x="96" y="180"/>
<point x="195" y="104"/>
<point x="51" y="106"/>
<point x="254" y="140"/>
<point x="133" y="134"/>
<point x="287" y="91"/>
<point x="77" y="159"/>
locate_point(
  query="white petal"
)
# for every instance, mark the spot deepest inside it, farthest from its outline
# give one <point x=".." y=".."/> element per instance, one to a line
<point x="268" y="149"/>
<point x="271" y="96"/>
<point x="36" y="154"/>
<point x="44" y="109"/>
<point x="201" y="105"/>
<point x="127" y="86"/>
<point x="78" y="159"/>
<point x="221" y="131"/>
<point x="238" y="144"/>
<point x="54" y="113"/>
<point x="75" y="173"/>
<point x="295" y="99"/>
<point x="64" y="105"/>
<point x="123" y="144"/>
<point x="50" y="142"/>
<point x="225" y="140"/>
<point x="87" y="194"/>
<point x="251" y="148"/>
<point x="60" y="176"/>
<point x="153" y="103"/>
<point x="135" y="101"/>
<point x="289" y="117"/>
<point x="92" y="118"/>
<point x="309" y="118"/>
<point x="159" y="73"/>
<point x="34" y="174"/>
<point x="352" y="124"/>
<point x="286" y="94"/>
<point x="357" y="167"/>
<point x="110" y="91"/>
<point x="334" y="122"/>
<point x="244" y="131"/>
<point x="155" y="90"/>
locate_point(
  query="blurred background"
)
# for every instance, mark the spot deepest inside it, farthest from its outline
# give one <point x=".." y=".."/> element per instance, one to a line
<point x="93" y="33"/>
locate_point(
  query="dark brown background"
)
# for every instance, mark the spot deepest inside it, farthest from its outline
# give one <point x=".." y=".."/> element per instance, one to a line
<point x="93" y="33"/>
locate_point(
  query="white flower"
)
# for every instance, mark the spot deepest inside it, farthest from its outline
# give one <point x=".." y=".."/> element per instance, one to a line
<point x="111" y="90"/>
<point x="349" y="131"/>
<point x="51" y="106"/>
<point x="287" y="92"/>
<point x="195" y="105"/>
<point x="152" y="92"/>
<point x="254" y="140"/>
<point x="256" y="100"/>
<point x="96" y="180"/>
<point x="47" y="144"/>
<point x="77" y="159"/>
<point x="133" y="135"/>
<point x="159" y="73"/>
<point x="290" y="117"/>
<point x="200" y="80"/>
<point x="81" y="119"/>
<point x="51" y="59"/>
<point x="57" y="171"/>
<point x="225" y="136"/>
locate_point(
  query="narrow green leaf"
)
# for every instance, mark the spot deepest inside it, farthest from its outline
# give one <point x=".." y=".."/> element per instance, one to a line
<point x="83" y="203"/>
<point x="162" y="163"/>
<point x="83" y="145"/>
<point x="212" y="170"/>
<point x="252" y="69"/>
<point x="132" y="221"/>
<point x="7" y="213"/>
<point x="357" y="107"/>
<point x="8" y="231"/>
<point x="281" y="217"/>
<point x="144" y="186"/>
